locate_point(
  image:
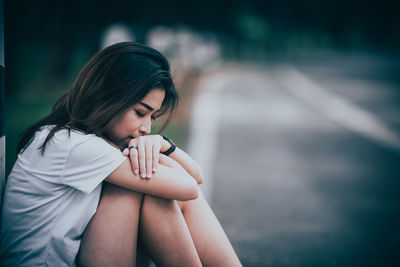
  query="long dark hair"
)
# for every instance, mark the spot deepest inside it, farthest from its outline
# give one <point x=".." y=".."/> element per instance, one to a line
<point x="111" y="81"/>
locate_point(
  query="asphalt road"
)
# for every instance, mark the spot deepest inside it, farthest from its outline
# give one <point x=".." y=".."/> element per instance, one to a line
<point x="306" y="165"/>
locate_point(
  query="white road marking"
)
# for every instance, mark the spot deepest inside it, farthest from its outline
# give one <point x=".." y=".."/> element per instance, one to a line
<point x="336" y="108"/>
<point x="274" y="110"/>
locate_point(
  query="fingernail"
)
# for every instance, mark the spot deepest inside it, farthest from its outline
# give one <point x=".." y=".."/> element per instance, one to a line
<point x="136" y="171"/>
<point x="143" y="175"/>
<point x="149" y="175"/>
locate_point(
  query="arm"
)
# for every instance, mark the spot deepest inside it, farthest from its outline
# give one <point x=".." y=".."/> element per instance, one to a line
<point x="171" y="180"/>
<point x="187" y="163"/>
<point x="146" y="157"/>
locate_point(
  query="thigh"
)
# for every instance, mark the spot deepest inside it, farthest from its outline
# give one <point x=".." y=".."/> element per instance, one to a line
<point x="211" y="242"/>
<point x="110" y="238"/>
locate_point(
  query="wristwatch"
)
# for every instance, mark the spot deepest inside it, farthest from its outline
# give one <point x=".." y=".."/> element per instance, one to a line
<point x="171" y="149"/>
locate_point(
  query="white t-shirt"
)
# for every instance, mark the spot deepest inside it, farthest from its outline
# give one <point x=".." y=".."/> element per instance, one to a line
<point x="50" y="199"/>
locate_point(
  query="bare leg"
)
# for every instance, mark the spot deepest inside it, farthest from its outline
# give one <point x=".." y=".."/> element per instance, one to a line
<point x="210" y="239"/>
<point x="165" y="233"/>
<point x="111" y="236"/>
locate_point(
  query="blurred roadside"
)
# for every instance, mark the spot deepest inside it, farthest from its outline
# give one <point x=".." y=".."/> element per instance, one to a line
<point x="305" y="169"/>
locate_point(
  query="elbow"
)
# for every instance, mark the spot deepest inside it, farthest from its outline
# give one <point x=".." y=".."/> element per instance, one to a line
<point x="190" y="192"/>
<point x="199" y="175"/>
<point x="200" y="179"/>
<point x="193" y="194"/>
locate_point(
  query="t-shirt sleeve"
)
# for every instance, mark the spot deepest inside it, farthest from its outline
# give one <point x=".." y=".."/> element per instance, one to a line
<point x="89" y="163"/>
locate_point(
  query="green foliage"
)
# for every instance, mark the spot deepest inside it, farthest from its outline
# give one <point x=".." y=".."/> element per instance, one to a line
<point x="253" y="28"/>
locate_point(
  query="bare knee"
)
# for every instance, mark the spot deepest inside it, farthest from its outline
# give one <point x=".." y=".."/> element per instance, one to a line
<point x="118" y="196"/>
<point x="160" y="204"/>
<point x="183" y="205"/>
<point x="155" y="209"/>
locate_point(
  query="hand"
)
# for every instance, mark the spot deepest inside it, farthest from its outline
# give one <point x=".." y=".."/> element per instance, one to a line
<point x="169" y="162"/>
<point x="144" y="152"/>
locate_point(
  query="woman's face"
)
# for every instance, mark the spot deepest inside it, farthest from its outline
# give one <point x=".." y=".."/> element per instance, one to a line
<point x="136" y="120"/>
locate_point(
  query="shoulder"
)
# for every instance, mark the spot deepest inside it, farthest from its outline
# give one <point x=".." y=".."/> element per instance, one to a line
<point x="85" y="148"/>
<point x="71" y="138"/>
<point x="66" y="141"/>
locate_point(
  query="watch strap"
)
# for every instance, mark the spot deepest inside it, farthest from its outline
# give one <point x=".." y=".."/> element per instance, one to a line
<point x="171" y="149"/>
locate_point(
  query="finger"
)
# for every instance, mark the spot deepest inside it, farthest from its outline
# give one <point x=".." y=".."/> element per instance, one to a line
<point x="149" y="159"/>
<point x="156" y="157"/>
<point x="125" y="152"/>
<point x="133" y="155"/>
<point x="142" y="159"/>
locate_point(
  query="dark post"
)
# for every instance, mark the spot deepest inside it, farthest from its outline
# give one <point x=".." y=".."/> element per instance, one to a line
<point x="2" y="134"/>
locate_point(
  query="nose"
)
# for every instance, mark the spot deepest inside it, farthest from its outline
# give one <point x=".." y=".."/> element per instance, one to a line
<point x="145" y="128"/>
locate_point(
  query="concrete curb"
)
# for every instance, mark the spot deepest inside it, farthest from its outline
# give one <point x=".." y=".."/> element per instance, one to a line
<point x="203" y="132"/>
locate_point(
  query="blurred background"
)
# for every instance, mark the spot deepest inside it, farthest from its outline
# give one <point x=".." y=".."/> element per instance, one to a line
<point x="291" y="108"/>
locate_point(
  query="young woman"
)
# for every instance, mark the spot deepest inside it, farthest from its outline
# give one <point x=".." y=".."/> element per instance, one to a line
<point x="91" y="179"/>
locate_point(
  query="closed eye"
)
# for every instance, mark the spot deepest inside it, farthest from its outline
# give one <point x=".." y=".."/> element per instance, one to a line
<point x="139" y="114"/>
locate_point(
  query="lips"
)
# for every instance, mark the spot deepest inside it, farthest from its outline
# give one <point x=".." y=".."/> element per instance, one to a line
<point x="126" y="140"/>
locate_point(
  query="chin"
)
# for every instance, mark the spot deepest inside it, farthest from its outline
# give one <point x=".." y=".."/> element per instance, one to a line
<point x="121" y="143"/>
<point x="118" y="142"/>
<point x="124" y="143"/>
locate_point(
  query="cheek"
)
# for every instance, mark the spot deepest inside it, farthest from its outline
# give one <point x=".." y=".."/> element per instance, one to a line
<point x="128" y="124"/>
<point x="115" y="129"/>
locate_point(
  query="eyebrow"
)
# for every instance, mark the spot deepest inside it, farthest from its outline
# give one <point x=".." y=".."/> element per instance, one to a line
<point x="146" y="106"/>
